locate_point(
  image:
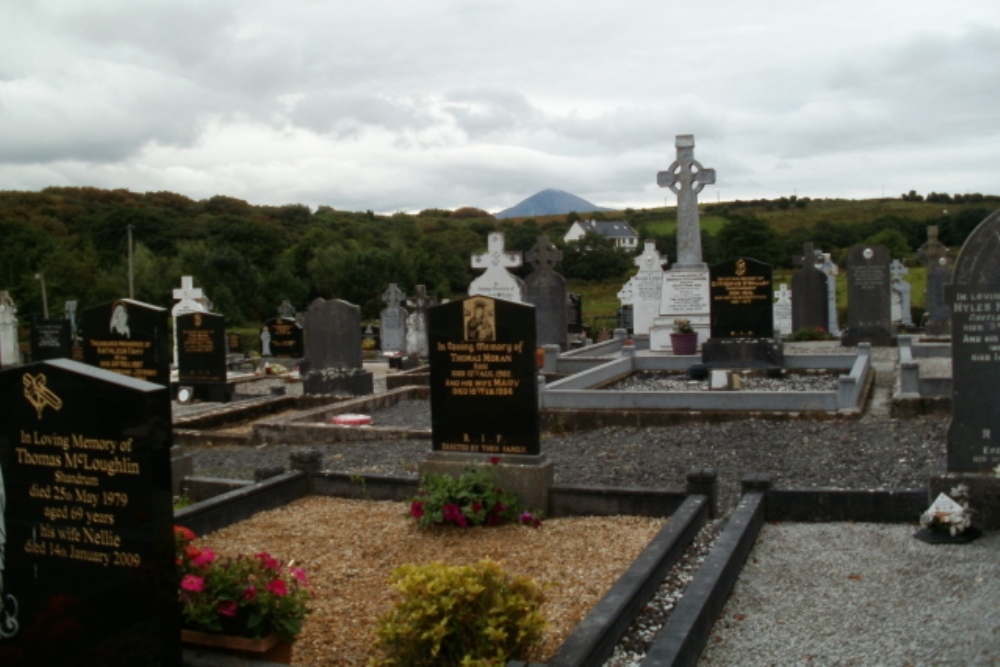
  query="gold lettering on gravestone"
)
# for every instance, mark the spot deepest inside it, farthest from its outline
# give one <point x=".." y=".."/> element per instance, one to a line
<point x="78" y="501"/>
<point x="123" y="356"/>
<point x="481" y="368"/>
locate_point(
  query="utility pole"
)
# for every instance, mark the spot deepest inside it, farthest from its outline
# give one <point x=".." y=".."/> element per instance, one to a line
<point x="131" y="267"/>
<point x="45" y="297"/>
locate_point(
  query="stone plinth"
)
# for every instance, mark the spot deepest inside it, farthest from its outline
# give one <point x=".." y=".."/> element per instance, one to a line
<point x="742" y="353"/>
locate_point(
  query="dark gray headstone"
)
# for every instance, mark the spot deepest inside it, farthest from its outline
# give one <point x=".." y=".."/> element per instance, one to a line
<point x="201" y="348"/>
<point x="574" y="313"/>
<point x="546" y="291"/>
<point x="938" y="309"/>
<point x="51" y="339"/>
<point x="974" y="295"/>
<point x="483" y="376"/>
<point x="741" y="299"/>
<point x="625" y="318"/>
<point x="869" y="296"/>
<point x="333" y="359"/>
<point x="128" y="337"/>
<point x="88" y="574"/>
<point x="809" y="294"/>
<point x="282" y="337"/>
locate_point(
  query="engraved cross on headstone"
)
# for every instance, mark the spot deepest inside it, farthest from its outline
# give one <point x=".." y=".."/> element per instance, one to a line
<point x="393" y="295"/>
<point x="495" y="255"/>
<point x="421" y="301"/>
<point x="543" y="253"/>
<point x="686" y="178"/>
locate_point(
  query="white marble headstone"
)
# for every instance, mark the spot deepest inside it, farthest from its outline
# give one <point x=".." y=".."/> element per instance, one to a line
<point x="647" y="285"/>
<point x="10" y="351"/>
<point x="497" y="281"/>
<point x="783" y="311"/>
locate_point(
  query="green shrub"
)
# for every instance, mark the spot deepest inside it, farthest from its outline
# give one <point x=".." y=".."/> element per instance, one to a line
<point x="468" y="615"/>
<point x="474" y="498"/>
<point x="807" y="334"/>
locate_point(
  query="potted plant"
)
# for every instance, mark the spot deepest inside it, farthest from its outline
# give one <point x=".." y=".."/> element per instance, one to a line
<point x="684" y="339"/>
<point x="249" y="605"/>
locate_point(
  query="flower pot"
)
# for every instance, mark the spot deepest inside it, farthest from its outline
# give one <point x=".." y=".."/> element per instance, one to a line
<point x="684" y="343"/>
<point x="271" y="648"/>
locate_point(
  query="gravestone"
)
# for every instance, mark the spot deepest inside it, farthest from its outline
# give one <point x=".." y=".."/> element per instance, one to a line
<point x="546" y="291"/>
<point x="51" y="339"/>
<point x="128" y="337"/>
<point x="783" y="311"/>
<point x="201" y="356"/>
<point x="88" y="573"/>
<point x="809" y="293"/>
<point x="282" y="336"/>
<point x="937" y="261"/>
<point x="900" y="294"/>
<point x="868" y="296"/>
<point x="574" y="313"/>
<point x="825" y="264"/>
<point x="10" y="350"/>
<point x="973" y="453"/>
<point x="647" y="287"/>
<point x="70" y="309"/>
<point x="742" y="320"/>
<point x="484" y="394"/>
<point x="393" y="320"/>
<point x="191" y="299"/>
<point x="626" y="320"/>
<point x="685" y="291"/>
<point x="333" y="362"/>
<point x="416" y="323"/>
<point x="496" y="281"/>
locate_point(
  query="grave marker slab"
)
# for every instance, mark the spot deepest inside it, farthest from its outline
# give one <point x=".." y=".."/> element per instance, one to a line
<point x="282" y="337"/>
<point x="809" y="293"/>
<point x="574" y="313"/>
<point x="10" y="350"/>
<point x="901" y="307"/>
<point x="201" y="348"/>
<point x="483" y="376"/>
<point x="974" y="296"/>
<point x="686" y="178"/>
<point x="825" y="263"/>
<point x="51" y="339"/>
<point x="741" y="293"/>
<point x="868" y="296"/>
<point x="191" y="299"/>
<point x="128" y="337"/>
<point x="333" y="359"/>
<point x="647" y="288"/>
<point x="546" y="291"/>
<point x="416" y="323"/>
<point x="783" y="311"/>
<point x="393" y="320"/>
<point x="88" y="574"/>
<point x="937" y="260"/>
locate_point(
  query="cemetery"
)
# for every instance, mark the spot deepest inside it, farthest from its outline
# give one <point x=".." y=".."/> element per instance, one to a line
<point x="666" y="484"/>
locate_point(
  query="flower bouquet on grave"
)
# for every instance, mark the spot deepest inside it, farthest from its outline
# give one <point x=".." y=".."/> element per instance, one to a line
<point x="474" y="498"/>
<point x="683" y="326"/>
<point x="251" y="597"/>
<point x="948" y="519"/>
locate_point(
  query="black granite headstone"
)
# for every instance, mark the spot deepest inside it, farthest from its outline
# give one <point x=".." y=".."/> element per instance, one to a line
<point x="741" y="293"/>
<point x="574" y="313"/>
<point x="546" y="290"/>
<point x="975" y="338"/>
<point x="88" y="573"/>
<point x="483" y="376"/>
<point x="201" y="352"/>
<point x="128" y="337"/>
<point x="626" y="319"/>
<point x="809" y="295"/>
<point x="51" y="339"/>
<point x="869" y="296"/>
<point x="282" y="337"/>
<point x="234" y="342"/>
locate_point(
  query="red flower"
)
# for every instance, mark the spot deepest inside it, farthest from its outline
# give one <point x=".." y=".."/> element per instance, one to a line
<point x="191" y="551"/>
<point x="193" y="583"/>
<point x="417" y="509"/>
<point x="204" y="558"/>
<point x="494" y="460"/>
<point x="277" y="587"/>
<point x="453" y="513"/>
<point x="249" y="593"/>
<point x="269" y="562"/>
<point x="299" y="574"/>
<point x="227" y="608"/>
<point x="184" y="533"/>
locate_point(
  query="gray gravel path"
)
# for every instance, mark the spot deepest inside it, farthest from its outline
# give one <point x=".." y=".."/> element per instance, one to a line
<point x="861" y="594"/>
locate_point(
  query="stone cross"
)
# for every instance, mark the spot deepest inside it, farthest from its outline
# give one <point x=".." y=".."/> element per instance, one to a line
<point x="686" y="178"/>
<point x="421" y="301"/>
<point x="897" y="270"/>
<point x="784" y="294"/>
<point x="627" y="293"/>
<point x="187" y="290"/>
<point x="495" y="256"/>
<point x="933" y="251"/>
<point x="286" y="310"/>
<point x="543" y="254"/>
<point x="807" y="251"/>
<point x="393" y="295"/>
<point x="650" y="259"/>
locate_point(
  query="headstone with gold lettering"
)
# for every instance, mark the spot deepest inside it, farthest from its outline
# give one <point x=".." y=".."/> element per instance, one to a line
<point x="87" y="574"/>
<point x="742" y="316"/>
<point x="201" y="356"/>
<point x="128" y="337"/>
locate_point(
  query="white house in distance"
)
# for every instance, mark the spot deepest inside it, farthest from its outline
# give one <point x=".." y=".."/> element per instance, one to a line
<point x="620" y="232"/>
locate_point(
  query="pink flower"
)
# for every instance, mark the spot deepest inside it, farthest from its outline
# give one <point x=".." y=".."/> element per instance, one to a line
<point x="453" y="513"/>
<point x="204" y="558"/>
<point x="193" y="583"/>
<point x="278" y="587"/>
<point x="417" y="509"/>
<point x="227" y="608"/>
<point x="299" y="574"/>
<point x="249" y="593"/>
<point x="184" y="533"/>
<point x="269" y="562"/>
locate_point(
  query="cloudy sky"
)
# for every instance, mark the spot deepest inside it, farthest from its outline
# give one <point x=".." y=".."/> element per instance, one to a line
<point x="401" y="105"/>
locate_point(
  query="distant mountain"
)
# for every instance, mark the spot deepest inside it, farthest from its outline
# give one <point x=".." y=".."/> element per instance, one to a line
<point x="549" y="202"/>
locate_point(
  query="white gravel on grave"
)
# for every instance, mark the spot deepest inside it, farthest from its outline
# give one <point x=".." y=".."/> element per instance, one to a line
<point x="861" y="594"/>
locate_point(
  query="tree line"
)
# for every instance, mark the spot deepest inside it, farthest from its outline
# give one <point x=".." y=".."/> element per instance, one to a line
<point x="248" y="258"/>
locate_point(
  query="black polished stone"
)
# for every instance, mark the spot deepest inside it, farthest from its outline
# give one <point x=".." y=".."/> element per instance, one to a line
<point x="201" y="348"/>
<point x="128" y="337"/>
<point x="742" y="299"/>
<point x="869" y="296"/>
<point x="286" y="338"/>
<point x="51" y="339"/>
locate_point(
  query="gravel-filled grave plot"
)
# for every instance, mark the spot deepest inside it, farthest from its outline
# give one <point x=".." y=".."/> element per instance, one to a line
<point x="349" y="548"/>
<point x="755" y="380"/>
